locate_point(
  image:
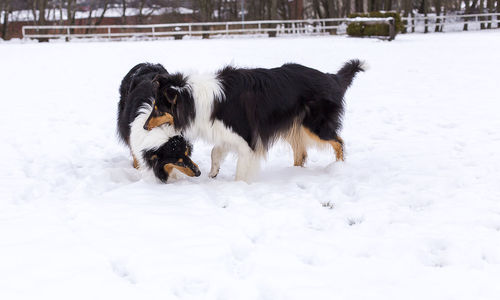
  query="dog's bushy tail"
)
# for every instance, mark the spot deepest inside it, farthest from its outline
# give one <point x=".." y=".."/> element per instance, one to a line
<point x="346" y="74"/>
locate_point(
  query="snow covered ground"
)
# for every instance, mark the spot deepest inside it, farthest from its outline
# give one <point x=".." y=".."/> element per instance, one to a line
<point x="413" y="212"/>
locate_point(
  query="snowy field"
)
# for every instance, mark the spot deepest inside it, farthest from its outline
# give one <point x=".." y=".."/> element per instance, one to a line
<point x="413" y="212"/>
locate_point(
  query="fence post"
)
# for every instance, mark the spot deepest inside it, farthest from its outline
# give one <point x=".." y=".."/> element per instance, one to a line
<point x="109" y="33"/>
<point x="412" y="14"/>
<point x="68" y="33"/>
<point x="392" y="29"/>
<point x="227" y="29"/>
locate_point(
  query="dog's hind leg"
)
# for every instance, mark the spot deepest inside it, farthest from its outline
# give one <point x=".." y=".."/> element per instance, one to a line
<point x="295" y="137"/>
<point x="336" y="142"/>
<point x="338" y="146"/>
<point x="299" y="155"/>
<point x="299" y="151"/>
<point x="219" y="153"/>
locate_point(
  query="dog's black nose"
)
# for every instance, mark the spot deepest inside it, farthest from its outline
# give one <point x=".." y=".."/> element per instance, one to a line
<point x="197" y="173"/>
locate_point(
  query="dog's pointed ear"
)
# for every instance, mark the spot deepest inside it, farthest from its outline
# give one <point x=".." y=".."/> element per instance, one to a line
<point x="156" y="82"/>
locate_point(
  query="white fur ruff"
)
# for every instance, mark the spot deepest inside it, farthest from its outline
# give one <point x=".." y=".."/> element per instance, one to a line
<point x="206" y="89"/>
<point x="142" y="139"/>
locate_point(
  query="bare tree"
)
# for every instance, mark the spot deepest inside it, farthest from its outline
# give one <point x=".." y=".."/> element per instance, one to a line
<point x="467" y="10"/>
<point x="437" y="4"/>
<point x="206" y="8"/>
<point x="71" y="7"/>
<point x="6" y="10"/>
<point x="124" y="4"/>
<point x="491" y="5"/>
<point x="481" y="10"/>
<point x="38" y="9"/>
<point x="94" y="6"/>
<point x="146" y="9"/>
<point x="424" y="9"/>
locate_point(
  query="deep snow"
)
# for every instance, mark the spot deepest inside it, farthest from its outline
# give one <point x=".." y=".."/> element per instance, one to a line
<point x="413" y="212"/>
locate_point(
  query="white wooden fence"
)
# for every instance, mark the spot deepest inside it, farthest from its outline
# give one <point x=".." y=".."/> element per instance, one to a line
<point x="179" y="30"/>
<point x="269" y="27"/>
<point x="451" y="22"/>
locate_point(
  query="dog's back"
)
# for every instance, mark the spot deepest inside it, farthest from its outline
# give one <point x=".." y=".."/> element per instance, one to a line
<point x="263" y="104"/>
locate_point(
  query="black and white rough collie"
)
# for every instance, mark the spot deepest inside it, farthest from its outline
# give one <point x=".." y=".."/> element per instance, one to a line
<point x="246" y="110"/>
<point x="160" y="149"/>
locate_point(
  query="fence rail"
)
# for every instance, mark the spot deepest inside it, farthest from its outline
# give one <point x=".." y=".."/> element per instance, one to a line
<point x="452" y="22"/>
<point x="179" y="30"/>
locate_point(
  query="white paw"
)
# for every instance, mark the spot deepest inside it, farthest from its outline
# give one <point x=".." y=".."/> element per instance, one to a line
<point x="213" y="173"/>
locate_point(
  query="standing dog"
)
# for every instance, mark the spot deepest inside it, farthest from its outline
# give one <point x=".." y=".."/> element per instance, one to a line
<point x="247" y="110"/>
<point x="158" y="148"/>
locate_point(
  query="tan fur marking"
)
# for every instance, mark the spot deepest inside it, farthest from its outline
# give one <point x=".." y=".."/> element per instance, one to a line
<point x="136" y="163"/>
<point x="154" y="157"/>
<point x="296" y="140"/>
<point x="299" y="161"/>
<point x="158" y="121"/>
<point x="339" y="151"/>
<point x="168" y="168"/>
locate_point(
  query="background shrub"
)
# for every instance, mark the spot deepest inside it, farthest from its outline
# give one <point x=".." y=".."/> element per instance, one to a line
<point x="363" y="29"/>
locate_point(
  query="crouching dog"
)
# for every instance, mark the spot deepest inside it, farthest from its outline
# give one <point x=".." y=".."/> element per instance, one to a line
<point x="159" y="148"/>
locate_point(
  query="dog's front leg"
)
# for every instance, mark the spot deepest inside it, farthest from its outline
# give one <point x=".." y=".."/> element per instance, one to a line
<point x="248" y="165"/>
<point x="219" y="153"/>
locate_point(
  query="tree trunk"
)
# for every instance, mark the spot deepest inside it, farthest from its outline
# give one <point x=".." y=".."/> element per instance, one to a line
<point x="274" y="15"/>
<point x="103" y="14"/>
<point x="490" y="10"/>
<point x="206" y="10"/>
<point x="124" y="11"/>
<point x="445" y="11"/>
<point x="437" y="4"/>
<point x="388" y="5"/>
<point x="42" y="6"/>
<point x="71" y="11"/>
<point x="467" y="10"/>
<point x="358" y="6"/>
<point x="34" y="11"/>
<point x="481" y="10"/>
<point x="326" y="8"/>
<point x="61" y="20"/>
<point x="317" y="8"/>
<point x="425" y="7"/>
<point x="141" y="8"/>
<point x="7" y="10"/>
<point x="406" y="13"/>
<point x="89" y="17"/>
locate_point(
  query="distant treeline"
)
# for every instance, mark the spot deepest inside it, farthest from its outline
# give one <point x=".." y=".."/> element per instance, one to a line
<point x="66" y="12"/>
